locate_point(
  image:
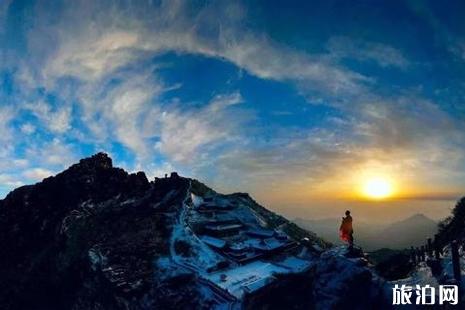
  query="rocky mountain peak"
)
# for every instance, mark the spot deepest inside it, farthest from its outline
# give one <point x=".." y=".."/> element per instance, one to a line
<point x="91" y="165"/>
<point x="101" y="160"/>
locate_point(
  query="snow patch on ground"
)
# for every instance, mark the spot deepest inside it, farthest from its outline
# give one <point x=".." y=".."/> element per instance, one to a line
<point x="196" y="200"/>
<point x="201" y="257"/>
<point x="422" y="275"/>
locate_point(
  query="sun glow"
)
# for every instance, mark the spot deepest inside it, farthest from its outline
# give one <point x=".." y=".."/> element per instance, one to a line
<point x="377" y="188"/>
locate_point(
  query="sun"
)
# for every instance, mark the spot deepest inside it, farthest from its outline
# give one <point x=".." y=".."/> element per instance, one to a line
<point x="377" y="188"/>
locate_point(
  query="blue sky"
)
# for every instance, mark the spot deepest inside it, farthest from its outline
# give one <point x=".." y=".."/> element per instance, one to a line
<point x="292" y="101"/>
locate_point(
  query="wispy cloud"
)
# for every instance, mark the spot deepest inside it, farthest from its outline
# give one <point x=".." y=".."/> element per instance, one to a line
<point x="57" y="120"/>
<point x="56" y="153"/>
<point x="28" y="128"/>
<point x="116" y="40"/>
<point x="7" y="114"/>
<point x="458" y="48"/>
<point x="382" y="54"/>
<point x="94" y="77"/>
<point x="9" y="181"/>
<point x="183" y="134"/>
<point x="37" y="174"/>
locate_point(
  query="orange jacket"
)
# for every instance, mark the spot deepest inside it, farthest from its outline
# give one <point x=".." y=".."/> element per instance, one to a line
<point x="346" y="228"/>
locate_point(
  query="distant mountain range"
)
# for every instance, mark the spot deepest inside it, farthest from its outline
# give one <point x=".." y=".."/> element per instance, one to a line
<point x="412" y="231"/>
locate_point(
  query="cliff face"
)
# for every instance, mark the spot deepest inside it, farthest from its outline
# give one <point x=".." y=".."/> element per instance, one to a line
<point x="96" y="237"/>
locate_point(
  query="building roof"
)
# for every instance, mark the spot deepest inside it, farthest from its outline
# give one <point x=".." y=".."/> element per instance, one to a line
<point x="238" y="246"/>
<point x="247" y="278"/>
<point x="266" y="233"/>
<point x="268" y="244"/>
<point x="214" y="242"/>
<point x="223" y="227"/>
<point x="295" y="264"/>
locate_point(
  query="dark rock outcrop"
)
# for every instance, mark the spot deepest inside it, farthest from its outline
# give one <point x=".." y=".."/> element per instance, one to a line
<point x="55" y="234"/>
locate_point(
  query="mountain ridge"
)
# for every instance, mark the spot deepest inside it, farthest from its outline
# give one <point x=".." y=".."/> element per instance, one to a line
<point x="92" y="233"/>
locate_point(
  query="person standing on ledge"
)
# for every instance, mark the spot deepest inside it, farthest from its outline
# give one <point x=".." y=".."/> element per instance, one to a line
<point x="346" y="231"/>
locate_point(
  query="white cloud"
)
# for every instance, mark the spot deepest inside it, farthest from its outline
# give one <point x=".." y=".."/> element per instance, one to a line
<point x="119" y="112"/>
<point x="114" y="42"/>
<point x="224" y="100"/>
<point x="458" y="48"/>
<point x="98" y="47"/>
<point x="20" y="162"/>
<point x="58" y="120"/>
<point x="9" y="181"/>
<point x="7" y="114"/>
<point x="384" y="55"/>
<point x="183" y="133"/>
<point x="55" y="153"/>
<point x="126" y="109"/>
<point x="37" y="174"/>
<point x="28" y="128"/>
<point x="92" y="57"/>
<point x="90" y="46"/>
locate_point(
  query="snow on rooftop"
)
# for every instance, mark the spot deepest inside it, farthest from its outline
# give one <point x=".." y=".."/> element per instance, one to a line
<point x="265" y="244"/>
<point x="214" y="242"/>
<point x="273" y="243"/>
<point x="223" y="226"/>
<point x="256" y="285"/>
<point x="249" y="277"/>
<point x="261" y="232"/>
<point x="295" y="264"/>
<point x="238" y="246"/>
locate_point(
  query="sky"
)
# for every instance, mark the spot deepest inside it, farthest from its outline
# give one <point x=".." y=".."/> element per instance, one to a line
<point x="296" y="102"/>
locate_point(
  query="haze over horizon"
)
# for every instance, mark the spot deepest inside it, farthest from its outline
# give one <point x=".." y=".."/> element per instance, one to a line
<point x="312" y="108"/>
